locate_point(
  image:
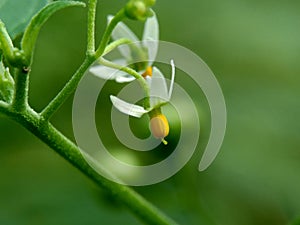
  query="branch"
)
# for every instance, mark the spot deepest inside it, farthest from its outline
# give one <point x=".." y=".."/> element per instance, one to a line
<point x="106" y="36"/>
<point x="68" y="89"/>
<point x="41" y="128"/>
<point x="72" y="84"/>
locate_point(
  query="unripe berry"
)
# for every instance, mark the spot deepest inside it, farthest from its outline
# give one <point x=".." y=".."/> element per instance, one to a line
<point x="159" y="126"/>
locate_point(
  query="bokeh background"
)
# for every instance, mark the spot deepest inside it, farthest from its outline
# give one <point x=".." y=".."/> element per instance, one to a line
<point x="253" y="48"/>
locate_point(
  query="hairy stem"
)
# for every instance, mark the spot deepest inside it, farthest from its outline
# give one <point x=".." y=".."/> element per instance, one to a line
<point x="106" y="36"/>
<point x="71" y="85"/>
<point x="68" y="150"/>
<point x="115" y="44"/>
<point x="20" y="100"/>
<point x="91" y="27"/>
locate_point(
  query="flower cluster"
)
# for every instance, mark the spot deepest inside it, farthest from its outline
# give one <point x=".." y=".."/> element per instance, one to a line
<point x="147" y="50"/>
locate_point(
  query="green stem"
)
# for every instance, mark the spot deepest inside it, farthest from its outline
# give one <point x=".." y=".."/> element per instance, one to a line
<point x="70" y="86"/>
<point x="68" y="150"/>
<point x="106" y="36"/>
<point x="91" y="27"/>
<point x="20" y="100"/>
<point x="115" y="44"/>
<point x="135" y="74"/>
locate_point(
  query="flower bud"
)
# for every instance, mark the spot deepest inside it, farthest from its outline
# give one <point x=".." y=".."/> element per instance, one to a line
<point x="139" y="9"/>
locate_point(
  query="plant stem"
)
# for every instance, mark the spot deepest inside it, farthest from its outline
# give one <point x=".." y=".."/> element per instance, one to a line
<point x="70" y="86"/>
<point x="20" y="100"/>
<point x="115" y="44"/>
<point x="68" y="150"/>
<point x="135" y="74"/>
<point x="106" y="36"/>
<point x="91" y="27"/>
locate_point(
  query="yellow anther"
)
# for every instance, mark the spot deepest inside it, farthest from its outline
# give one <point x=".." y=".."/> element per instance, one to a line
<point x="148" y="72"/>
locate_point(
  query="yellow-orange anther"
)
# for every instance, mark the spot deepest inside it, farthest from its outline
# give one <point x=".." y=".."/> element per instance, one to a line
<point x="148" y="72"/>
<point x="159" y="126"/>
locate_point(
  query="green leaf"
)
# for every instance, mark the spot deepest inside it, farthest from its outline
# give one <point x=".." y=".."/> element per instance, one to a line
<point x="6" y="84"/>
<point x="32" y="30"/>
<point x="16" y="14"/>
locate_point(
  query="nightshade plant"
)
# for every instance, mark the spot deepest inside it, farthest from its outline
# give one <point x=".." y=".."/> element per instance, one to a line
<point x="15" y="70"/>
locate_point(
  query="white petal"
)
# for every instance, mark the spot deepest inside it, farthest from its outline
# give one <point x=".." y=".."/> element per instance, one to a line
<point x="151" y="29"/>
<point x="108" y="73"/>
<point x="151" y="37"/>
<point x="158" y="89"/>
<point x="172" y="78"/>
<point x="122" y="31"/>
<point x="127" y="108"/>
<point x="125" y="79"/>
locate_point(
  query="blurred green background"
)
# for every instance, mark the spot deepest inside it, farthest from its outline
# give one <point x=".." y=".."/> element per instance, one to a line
<point x="253" y="48"/>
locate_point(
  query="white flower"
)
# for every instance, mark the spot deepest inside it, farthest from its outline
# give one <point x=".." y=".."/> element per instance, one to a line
<point x="159" y="95"/>
<point x="149" y="43"/>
